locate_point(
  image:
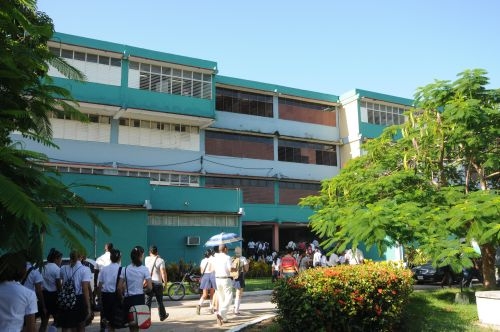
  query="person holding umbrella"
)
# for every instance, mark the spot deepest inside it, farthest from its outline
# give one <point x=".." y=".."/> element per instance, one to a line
<point x="222" y="268"/>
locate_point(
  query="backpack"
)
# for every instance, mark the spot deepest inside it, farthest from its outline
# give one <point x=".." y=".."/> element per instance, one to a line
<point x="66" y="298"/>
<point x="235" y="268"/>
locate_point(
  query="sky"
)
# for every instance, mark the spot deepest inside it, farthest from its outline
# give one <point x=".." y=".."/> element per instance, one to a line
<point x="330" y="46"/>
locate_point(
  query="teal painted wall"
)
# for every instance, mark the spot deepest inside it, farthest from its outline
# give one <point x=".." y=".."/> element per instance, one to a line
<point x="127" y="229"/>
<point x="195" y="199"/>
<point x="124" y="97"/>
<point x="124" y="190"/>
<point x="171" y="241"/>
<point x="276" y="213"/>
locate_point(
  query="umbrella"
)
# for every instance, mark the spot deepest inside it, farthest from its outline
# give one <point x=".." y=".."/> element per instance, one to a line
<point x="222" y="238"/>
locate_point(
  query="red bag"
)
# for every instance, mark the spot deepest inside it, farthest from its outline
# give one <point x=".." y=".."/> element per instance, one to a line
<point x="139" y="315"/>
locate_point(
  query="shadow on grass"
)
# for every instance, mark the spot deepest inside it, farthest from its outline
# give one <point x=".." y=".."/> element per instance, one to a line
<point x="437" y="311"/>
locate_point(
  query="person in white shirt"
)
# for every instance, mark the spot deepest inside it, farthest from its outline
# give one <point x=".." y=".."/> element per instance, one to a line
<point x="222" y="268"/>
<point x="17" y="303"/>
<point x="107" y="282"/>
<point x="354" y="257"/>
<point x="132" y="280"/>
<point x="241" y="264"/>
<point x="51" y="274"/>
<point x="158" y="273"/>
<point x="74" y="319"/>
<point x="275" y="267"/>
<point x="317" y="257"/>
<point x="104" y="259"/>
<point x="333" y="260"/>
<point x="207" y="282"/>
<point x="33" y="280"/>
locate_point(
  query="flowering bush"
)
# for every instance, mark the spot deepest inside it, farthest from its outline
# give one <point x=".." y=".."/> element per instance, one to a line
<point x="367" y="297"/>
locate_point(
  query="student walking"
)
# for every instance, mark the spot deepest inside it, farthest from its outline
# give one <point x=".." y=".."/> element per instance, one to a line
<point x="158" y="273"/>
<point x="51" y="274"/>
<point x="134" y="280"/>
<point x="222" y="267"/>
<point x="207" y="282"/>
<point x="240" y="263"/>
<point x="107" y="282"/>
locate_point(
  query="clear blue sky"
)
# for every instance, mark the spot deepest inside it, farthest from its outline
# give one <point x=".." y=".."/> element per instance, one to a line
<point x="387" y="46"/>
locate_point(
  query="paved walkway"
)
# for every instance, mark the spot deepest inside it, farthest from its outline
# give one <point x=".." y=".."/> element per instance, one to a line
<point x="255" y="306"/>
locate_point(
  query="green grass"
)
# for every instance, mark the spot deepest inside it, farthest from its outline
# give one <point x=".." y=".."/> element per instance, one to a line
<point x="256" y="284"/>
<point x="436" y="310"/>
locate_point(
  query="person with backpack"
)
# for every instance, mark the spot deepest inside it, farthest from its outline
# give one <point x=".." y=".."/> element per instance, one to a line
<point x="107" y="282"/>
<point x="74" y="298"/>
<point x="240" y="265"/>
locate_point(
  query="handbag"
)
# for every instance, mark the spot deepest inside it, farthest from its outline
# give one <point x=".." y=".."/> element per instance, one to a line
<point x="140" y="316"/>
<point x="118" y="314"/>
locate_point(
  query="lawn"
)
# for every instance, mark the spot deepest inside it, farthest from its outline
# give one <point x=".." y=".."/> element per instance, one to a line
<point x="429" y="310"/>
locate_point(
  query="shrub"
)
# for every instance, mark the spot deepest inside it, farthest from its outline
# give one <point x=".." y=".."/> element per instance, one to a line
<point x="368" y="297"/>
<point x="175" y="271"/>
<point x="258" y="269"/>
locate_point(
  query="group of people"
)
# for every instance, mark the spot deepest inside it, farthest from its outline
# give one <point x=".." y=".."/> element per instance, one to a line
<point x="302" y="256"/>
<point x="220" y="274"/>
<point x="27" y="291"/>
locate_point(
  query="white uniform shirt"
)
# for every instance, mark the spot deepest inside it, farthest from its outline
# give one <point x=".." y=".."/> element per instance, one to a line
<point x="158" y="265"/>
<point x="16" y="301"/>
<point x="209" y="263"/>
<point x="135" y="276"/>
<point x="35" y="277"/>
<point x="333" y="260"/>
<point x="80" y="274"/>
<point x="50" y="273"/>
<point x="103" y="260"/>
<point x="107" y="277"/>
<point x="222" y="265"/>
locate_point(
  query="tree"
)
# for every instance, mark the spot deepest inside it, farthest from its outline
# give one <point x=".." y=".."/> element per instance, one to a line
<point x="32" y="198"/>
<point x="436" y="187"/>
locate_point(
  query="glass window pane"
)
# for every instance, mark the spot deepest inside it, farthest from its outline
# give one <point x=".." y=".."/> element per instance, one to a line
<point x="104" y="60"/>
<point x="92" y="58"/>
<point x="80" y="56"/>
<point x="68" y="54"/>
<point x="116" y="62"/>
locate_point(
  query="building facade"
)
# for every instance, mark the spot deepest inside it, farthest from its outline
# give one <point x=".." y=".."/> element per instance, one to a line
<point x="188" y="153"/>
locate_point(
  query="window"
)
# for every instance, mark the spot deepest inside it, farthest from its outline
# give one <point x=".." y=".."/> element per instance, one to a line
<point x="382" y="114"/>
<point x="175" y="81"/>
<point x="236" y="145"/>
<point x="244" y="102"/>
<point x="254" y="190"/>
<point x="307" y="153"/>
<point x="309" y="112"/>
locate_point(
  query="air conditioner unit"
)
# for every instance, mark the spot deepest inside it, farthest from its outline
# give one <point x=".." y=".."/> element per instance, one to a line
<point x="193" y="241"/>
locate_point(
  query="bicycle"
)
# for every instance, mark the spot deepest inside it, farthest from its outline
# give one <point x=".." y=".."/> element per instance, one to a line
<point x="177" y="289"/>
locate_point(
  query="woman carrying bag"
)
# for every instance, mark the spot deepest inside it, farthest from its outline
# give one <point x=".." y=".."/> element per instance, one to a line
<point x="134" y="281"/>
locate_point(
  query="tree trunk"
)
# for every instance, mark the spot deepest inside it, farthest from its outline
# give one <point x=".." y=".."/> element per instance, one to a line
<point x="488" y="259"/>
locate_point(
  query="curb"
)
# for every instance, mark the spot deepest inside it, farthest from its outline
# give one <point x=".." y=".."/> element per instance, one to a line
<point x="251" y="323"/>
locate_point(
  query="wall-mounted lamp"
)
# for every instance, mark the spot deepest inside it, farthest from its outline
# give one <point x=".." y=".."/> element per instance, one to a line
<point x="147" y="204"/>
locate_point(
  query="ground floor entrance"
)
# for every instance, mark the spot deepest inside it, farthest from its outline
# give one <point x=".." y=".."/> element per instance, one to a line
<point x="276" y="234"/>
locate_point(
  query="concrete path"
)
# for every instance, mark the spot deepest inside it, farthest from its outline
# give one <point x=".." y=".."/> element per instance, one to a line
<point x="255" y="306"/>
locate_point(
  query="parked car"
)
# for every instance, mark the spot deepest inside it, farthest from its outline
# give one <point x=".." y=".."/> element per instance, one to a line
<point x="427" y="273"/>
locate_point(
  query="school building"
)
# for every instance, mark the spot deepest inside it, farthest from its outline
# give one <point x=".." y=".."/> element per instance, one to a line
<point x="189" y="153"/>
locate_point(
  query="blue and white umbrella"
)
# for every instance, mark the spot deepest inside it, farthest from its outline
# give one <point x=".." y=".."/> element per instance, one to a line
<point x="222" y="238"/>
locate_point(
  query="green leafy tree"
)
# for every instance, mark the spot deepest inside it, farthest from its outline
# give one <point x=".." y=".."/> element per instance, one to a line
<point x="33" y="200"/>
<point x="437" y="187"/>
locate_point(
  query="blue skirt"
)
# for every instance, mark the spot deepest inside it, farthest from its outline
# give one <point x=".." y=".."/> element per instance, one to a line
<point x="208" y="281"/>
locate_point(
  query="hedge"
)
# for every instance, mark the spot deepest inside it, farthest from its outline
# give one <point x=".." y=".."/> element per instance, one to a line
<point x="367" y="297"/>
